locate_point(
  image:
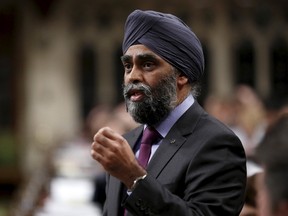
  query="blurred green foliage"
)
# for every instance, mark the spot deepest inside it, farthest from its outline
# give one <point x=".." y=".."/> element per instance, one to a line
<point x="7" y="149"/>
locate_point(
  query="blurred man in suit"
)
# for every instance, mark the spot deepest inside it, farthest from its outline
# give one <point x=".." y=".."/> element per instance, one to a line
<point x="272" y="154"/>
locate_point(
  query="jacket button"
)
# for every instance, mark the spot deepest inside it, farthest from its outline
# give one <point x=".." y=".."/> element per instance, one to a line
<point x="147" y="212"/>
<point x="143" y="208"/>
<point x="138" y="203"/>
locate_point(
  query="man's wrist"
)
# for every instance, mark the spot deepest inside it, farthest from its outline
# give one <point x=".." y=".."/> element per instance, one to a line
<point x="136" y="181"/>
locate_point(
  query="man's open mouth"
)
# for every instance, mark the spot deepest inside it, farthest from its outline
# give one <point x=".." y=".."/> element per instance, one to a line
<point x="135" y="95"/>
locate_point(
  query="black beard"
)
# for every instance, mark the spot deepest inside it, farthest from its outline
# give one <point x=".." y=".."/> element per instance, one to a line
<point x="158" y="101"/>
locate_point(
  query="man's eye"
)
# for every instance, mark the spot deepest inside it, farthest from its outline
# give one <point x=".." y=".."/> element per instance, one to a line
<point x="127" y="66"/>
<point x="148" y="65"/>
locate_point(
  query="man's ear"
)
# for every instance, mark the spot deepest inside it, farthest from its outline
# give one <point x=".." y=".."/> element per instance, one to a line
<point x="182" y="80"/>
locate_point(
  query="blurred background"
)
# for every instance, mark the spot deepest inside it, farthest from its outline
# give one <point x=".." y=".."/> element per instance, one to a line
<point x="61" y="78"/>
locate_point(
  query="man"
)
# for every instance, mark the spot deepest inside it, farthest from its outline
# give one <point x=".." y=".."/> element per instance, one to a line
<point x="272" y="154"/>
<point x="197" y="166"/>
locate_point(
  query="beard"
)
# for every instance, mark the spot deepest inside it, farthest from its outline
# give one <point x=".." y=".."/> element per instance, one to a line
<point x="157" y="103"/>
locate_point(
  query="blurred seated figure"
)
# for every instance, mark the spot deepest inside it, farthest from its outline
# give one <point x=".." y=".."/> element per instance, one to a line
<point x="276" y="106"/>
<point x="71" y="159"/>
<point x="222" y="108"/>
<point x="250" y="124"/>
<point x="243" y="112"/>
<point x="254" y="171"/>
<point x="272" y="154"/>
<point x="72" y="185"/>
<point x="120" y="120"/>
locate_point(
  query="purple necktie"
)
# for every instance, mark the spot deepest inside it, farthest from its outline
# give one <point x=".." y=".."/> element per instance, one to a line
<point x="150" y="137"/>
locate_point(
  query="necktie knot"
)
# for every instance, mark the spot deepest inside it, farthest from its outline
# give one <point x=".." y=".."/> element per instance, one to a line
<point x="150" y="136"/>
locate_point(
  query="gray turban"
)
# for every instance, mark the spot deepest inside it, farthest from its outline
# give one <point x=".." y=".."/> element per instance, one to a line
<point x="167" y="36"/>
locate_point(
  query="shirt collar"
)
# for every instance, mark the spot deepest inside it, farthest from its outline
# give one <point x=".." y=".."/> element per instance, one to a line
<point x="164" y="127"/>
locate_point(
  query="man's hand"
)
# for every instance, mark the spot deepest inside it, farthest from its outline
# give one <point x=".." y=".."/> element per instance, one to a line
<point x="113" y="152"/>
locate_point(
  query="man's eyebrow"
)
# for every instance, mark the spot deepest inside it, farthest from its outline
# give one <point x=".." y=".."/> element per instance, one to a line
<point x="126" y="58"/>
<point x="145" y="56"/>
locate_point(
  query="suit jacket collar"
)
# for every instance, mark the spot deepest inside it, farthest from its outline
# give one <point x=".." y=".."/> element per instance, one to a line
<point x="175" y="138"/>
<point x="133" y="136"/>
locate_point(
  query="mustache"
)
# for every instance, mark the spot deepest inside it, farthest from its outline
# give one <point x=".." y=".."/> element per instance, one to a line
<point x="127" y="89"/>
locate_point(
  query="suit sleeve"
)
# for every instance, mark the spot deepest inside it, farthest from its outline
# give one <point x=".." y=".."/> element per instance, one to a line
<point x="212" y="182"/>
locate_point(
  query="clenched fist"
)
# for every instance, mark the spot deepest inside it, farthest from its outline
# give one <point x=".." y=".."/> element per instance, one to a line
<point x="113" y="152"/>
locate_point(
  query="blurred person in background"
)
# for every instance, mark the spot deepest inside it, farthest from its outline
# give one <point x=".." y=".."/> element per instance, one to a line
<point x="250" y="122"/>
<point x="197" y="164"/>
<point x="254" y="172"/>
<point x="72" y="185"/>
<point x="244" y="112"/>
<point x="222" y="108"/>
<point x="71" y="156"/>
<point x="272" y="154"/>
<point x="120" y="120"/>
<point x="96" y="119"/>
<point x="276" y="107"/>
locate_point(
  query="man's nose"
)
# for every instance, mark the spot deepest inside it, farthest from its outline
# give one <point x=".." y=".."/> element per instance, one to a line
<point x="135" y="75"/>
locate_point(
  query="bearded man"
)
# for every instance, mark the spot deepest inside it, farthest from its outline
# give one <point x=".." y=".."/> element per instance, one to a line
<point x="180" y="161"/>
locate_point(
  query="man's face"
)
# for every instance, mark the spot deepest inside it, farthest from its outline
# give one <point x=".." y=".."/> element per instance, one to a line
<point x="150" y="85"/>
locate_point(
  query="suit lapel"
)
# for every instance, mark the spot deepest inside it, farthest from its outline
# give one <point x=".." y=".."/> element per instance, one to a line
<point x="114" y="201"/>
<point x="168" y="147"/>
<point x="133" y="136"/>
<point x="174" y="139"/>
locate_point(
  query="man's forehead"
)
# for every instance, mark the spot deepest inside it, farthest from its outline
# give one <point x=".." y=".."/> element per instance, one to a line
<point x="139" y="51"/>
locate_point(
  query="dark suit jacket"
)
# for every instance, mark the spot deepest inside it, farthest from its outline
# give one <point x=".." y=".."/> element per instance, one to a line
<point x="199" y="169"/>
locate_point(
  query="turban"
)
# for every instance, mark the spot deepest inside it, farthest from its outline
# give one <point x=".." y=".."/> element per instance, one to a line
<point x="167" y="36"/>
